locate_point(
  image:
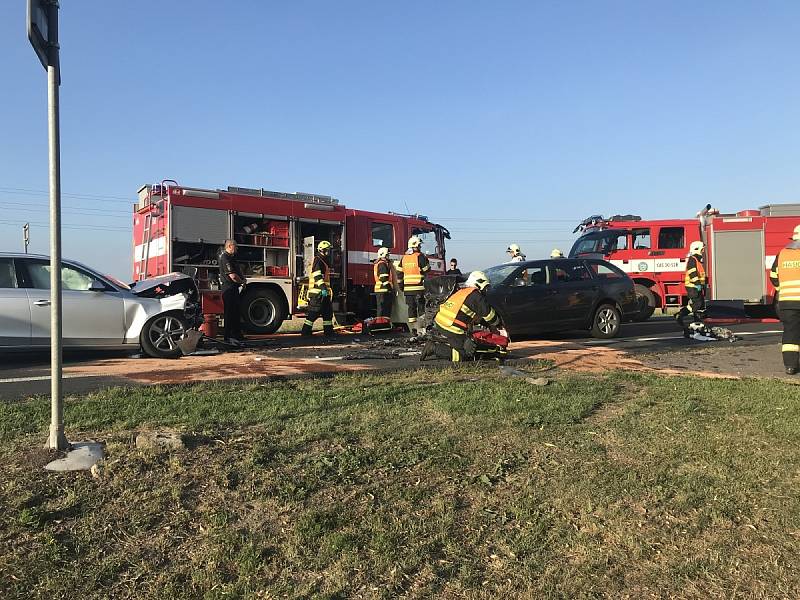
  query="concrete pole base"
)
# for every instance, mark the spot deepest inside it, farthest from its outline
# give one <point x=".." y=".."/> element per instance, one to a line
<point x="57" y="439"/>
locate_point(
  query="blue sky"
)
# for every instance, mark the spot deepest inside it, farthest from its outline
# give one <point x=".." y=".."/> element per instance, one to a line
<point x="506" y="121"/>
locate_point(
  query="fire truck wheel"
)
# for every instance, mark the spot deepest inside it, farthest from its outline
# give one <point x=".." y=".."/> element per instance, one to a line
<point x="160" y="335"/>
<point x="647" y="302"/>
<point x="262" y="311"/>
<point x="605" y="323"/>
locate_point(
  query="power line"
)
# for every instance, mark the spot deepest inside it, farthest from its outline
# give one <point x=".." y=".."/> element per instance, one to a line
<point x="127" y="200"/>
<point x="95" y="212"/>
<point x="83" y="226"/>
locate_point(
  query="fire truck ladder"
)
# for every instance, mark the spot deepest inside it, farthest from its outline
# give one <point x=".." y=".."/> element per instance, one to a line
<point x="151" y="216"/>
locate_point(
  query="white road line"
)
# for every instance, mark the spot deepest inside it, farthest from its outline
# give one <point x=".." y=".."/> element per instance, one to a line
<point x="43" y="378"/>
<point x="676" y="337"/>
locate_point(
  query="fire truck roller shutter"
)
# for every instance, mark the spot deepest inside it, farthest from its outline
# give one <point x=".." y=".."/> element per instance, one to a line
<point x="738" y="271"/>
<point x="263" y="308"/>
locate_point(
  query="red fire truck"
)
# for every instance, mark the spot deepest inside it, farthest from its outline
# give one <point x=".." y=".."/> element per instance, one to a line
<point x="180" y="228"/>
<point x="740" y="249"/>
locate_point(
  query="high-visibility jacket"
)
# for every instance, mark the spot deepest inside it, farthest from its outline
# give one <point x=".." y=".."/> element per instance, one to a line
<point x="384" y="277"/>
<point x="785" y="273"/>
<point x="695" y="275"/>
<point x="412" y="270"/>
<point x="463" y="309"/>
<point x="320" y="277"/>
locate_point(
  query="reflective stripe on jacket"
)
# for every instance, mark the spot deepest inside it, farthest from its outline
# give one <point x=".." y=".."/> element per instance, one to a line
<point x="384" y="278"/>
<point x="695" y="275"/>
<point x="787" y="272"/>
<point x="320" y="276"/>
<point x="462" y="309"/>
<point x="412" y="271"/>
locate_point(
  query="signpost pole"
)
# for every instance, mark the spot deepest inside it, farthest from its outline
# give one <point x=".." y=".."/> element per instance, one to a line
<point x="26" y="235"/>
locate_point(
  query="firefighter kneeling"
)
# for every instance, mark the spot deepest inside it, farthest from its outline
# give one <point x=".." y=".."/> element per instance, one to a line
<point x="785" y="276"/>
<point x="457" y="315"/>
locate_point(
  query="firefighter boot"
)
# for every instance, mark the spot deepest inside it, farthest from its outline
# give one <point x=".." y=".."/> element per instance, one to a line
<point x="306" y="331"/>
<point x="328" y="331"/>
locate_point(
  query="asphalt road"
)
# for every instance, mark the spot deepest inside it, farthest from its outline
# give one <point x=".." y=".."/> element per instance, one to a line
<point x="657" y="342"/>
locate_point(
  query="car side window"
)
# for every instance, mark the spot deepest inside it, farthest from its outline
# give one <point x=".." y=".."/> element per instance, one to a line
<point x="71" y="279"/>
<point x="571" y="272"/>
<point x="8" y="276"/>
<point x="606" y="272"/>
<point x="533" y="276"/>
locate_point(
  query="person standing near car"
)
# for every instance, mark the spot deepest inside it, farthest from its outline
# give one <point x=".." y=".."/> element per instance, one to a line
<point x="785" y="276"/>
<point x="319" y="292"/>
<point x="231" y="279"/>
<point x="384" y="284"/>
<point x="694" y="281"/>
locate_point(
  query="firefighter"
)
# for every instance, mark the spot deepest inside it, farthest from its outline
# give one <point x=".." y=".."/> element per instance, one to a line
<point x="231" y="279"/>
<point x="785" y="276"/>
<point x="457" y="315"/>
<point x="556" y="253"/>
<point x="414" y="267"/>
<point x="319" y="292"/>
<point x="384" y="284"/>
<point x="694" y="280"/>
<point x="516" y="253"/>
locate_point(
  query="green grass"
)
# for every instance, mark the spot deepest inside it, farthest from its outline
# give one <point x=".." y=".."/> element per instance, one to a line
<point x="460" y="483"/>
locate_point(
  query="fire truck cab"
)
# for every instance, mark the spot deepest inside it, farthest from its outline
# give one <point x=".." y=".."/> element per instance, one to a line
<point x="179" y="228"/>
<point x="740" y="249"/>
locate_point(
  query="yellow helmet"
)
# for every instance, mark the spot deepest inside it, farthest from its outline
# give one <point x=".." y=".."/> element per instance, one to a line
<point x="556" y="253"/>
<point x="796" y="233"/>
<point x="414" y="242"/>
<point x="383" y="252"/>
<point x="477" y="279"/>
<point x="324" y="245"/>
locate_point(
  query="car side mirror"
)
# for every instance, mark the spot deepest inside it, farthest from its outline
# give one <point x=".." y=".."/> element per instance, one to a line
<point x="519" y="282"/>
<point x="97" y="286"/>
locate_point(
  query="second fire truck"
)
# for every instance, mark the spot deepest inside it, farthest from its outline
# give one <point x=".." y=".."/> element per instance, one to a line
<point x="740" y="249"/>
<point x="182" y="228"/>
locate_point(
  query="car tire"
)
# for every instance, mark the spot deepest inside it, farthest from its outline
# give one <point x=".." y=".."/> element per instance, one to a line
<point x="160" y="335"/>
<point x="263" y="312"/>
<point x="606" y="321"/>
<point x="646" y="301"/>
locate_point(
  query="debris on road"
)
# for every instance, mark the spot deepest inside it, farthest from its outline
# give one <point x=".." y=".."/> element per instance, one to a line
<point x="512" y="372"/>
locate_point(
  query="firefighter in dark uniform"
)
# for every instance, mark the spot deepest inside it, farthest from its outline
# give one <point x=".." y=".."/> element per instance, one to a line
<point x="230" y="279"/>
<point x="411" y="273"/>
<point x="384" y="284"/>
<point x="694" y="280"/>
<point x="457" y="315"/>
<point x="319" y="292"/>
<point x="785" y="276"/>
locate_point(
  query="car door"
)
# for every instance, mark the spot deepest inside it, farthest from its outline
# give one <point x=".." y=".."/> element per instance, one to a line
<point x="577" y="292"/>
<point x="15" y="312"/>
<point x="90" y="318"/>
<point x="529" y="300"/>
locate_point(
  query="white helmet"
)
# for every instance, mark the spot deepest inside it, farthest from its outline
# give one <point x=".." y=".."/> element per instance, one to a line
<point x="383" y="252"/>
<point x="796" y="233"/>
<point x="556" y="253"/>
<point x="414" y="242"/>
<point x="477" y="279"/>
<point x="697" y="247"/>
<point x="513" y="249"/>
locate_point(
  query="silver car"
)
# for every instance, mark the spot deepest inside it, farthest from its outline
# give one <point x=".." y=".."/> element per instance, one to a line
<point x="98" y="311"/>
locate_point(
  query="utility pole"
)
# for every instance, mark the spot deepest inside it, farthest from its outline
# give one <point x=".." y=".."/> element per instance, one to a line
<point x="43" y="35"/>
<point x="26" y="235"/>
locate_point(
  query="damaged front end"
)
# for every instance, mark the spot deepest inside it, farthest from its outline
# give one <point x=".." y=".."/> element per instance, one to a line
<point x="175" y="291"/>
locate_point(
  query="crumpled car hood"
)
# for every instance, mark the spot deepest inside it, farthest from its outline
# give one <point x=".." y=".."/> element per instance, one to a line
<point x="165" y="285"/>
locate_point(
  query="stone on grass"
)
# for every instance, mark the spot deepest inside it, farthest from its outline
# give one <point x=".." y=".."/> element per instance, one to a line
<point x="160" y="440"/>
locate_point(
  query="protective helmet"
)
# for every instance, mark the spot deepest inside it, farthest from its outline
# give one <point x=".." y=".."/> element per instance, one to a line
<point x="324" y="245"/>
<point x="696" y="248"/>
<point x="796" y="233"/>
<point x="478" y="279"/>
<point x="513" y="249"/>
<point x="556" y="253"/>
<point x="414" y="242"/>
<point x="383" y="253"/>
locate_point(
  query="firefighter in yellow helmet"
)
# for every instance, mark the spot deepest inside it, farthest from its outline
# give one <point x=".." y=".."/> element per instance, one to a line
<point x="694" y="280"/>
<point x="384" y="284"/>
<point x="785" y="276"/>
<point x="411" y="273"/>
<point x="556" y="253"/>
<point x="319" y="291"/>
<point x="457" y="315"/>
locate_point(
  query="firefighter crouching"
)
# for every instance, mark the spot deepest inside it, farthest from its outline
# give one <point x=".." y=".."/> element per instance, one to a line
<point x="785" y="276"/>
<point x="384" y="284"/>
<point x="319" y="292"/>
<point x="411" y="273"/>
<point x="695" y="282"/>
<point x="456" y="317"/>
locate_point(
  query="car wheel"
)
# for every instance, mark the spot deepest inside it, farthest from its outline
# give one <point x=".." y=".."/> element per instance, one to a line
<point x="262" y="311"/>
<point x="161" y="334"/>
<point x="606" y="321"/>
<point x="646" y="302"/>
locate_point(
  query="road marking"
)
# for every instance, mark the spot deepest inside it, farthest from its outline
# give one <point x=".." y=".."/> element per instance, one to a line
<point x="43" y="378"/>
<point x="676" y="337"/>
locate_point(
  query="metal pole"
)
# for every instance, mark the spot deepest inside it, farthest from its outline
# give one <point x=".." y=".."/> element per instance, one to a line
<point x="26" y="236"/>
<point x="57" y="439"/>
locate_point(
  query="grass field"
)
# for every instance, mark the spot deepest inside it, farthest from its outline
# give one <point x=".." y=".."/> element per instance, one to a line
<point x="462" y="483"/>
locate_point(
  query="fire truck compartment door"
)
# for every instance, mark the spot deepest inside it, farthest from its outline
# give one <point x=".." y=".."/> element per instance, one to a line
<point x="194" y="224"/>
<point x="738" y="265"/>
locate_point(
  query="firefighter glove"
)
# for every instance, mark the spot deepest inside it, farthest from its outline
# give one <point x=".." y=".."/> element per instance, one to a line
<point x="324" y="293"/>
